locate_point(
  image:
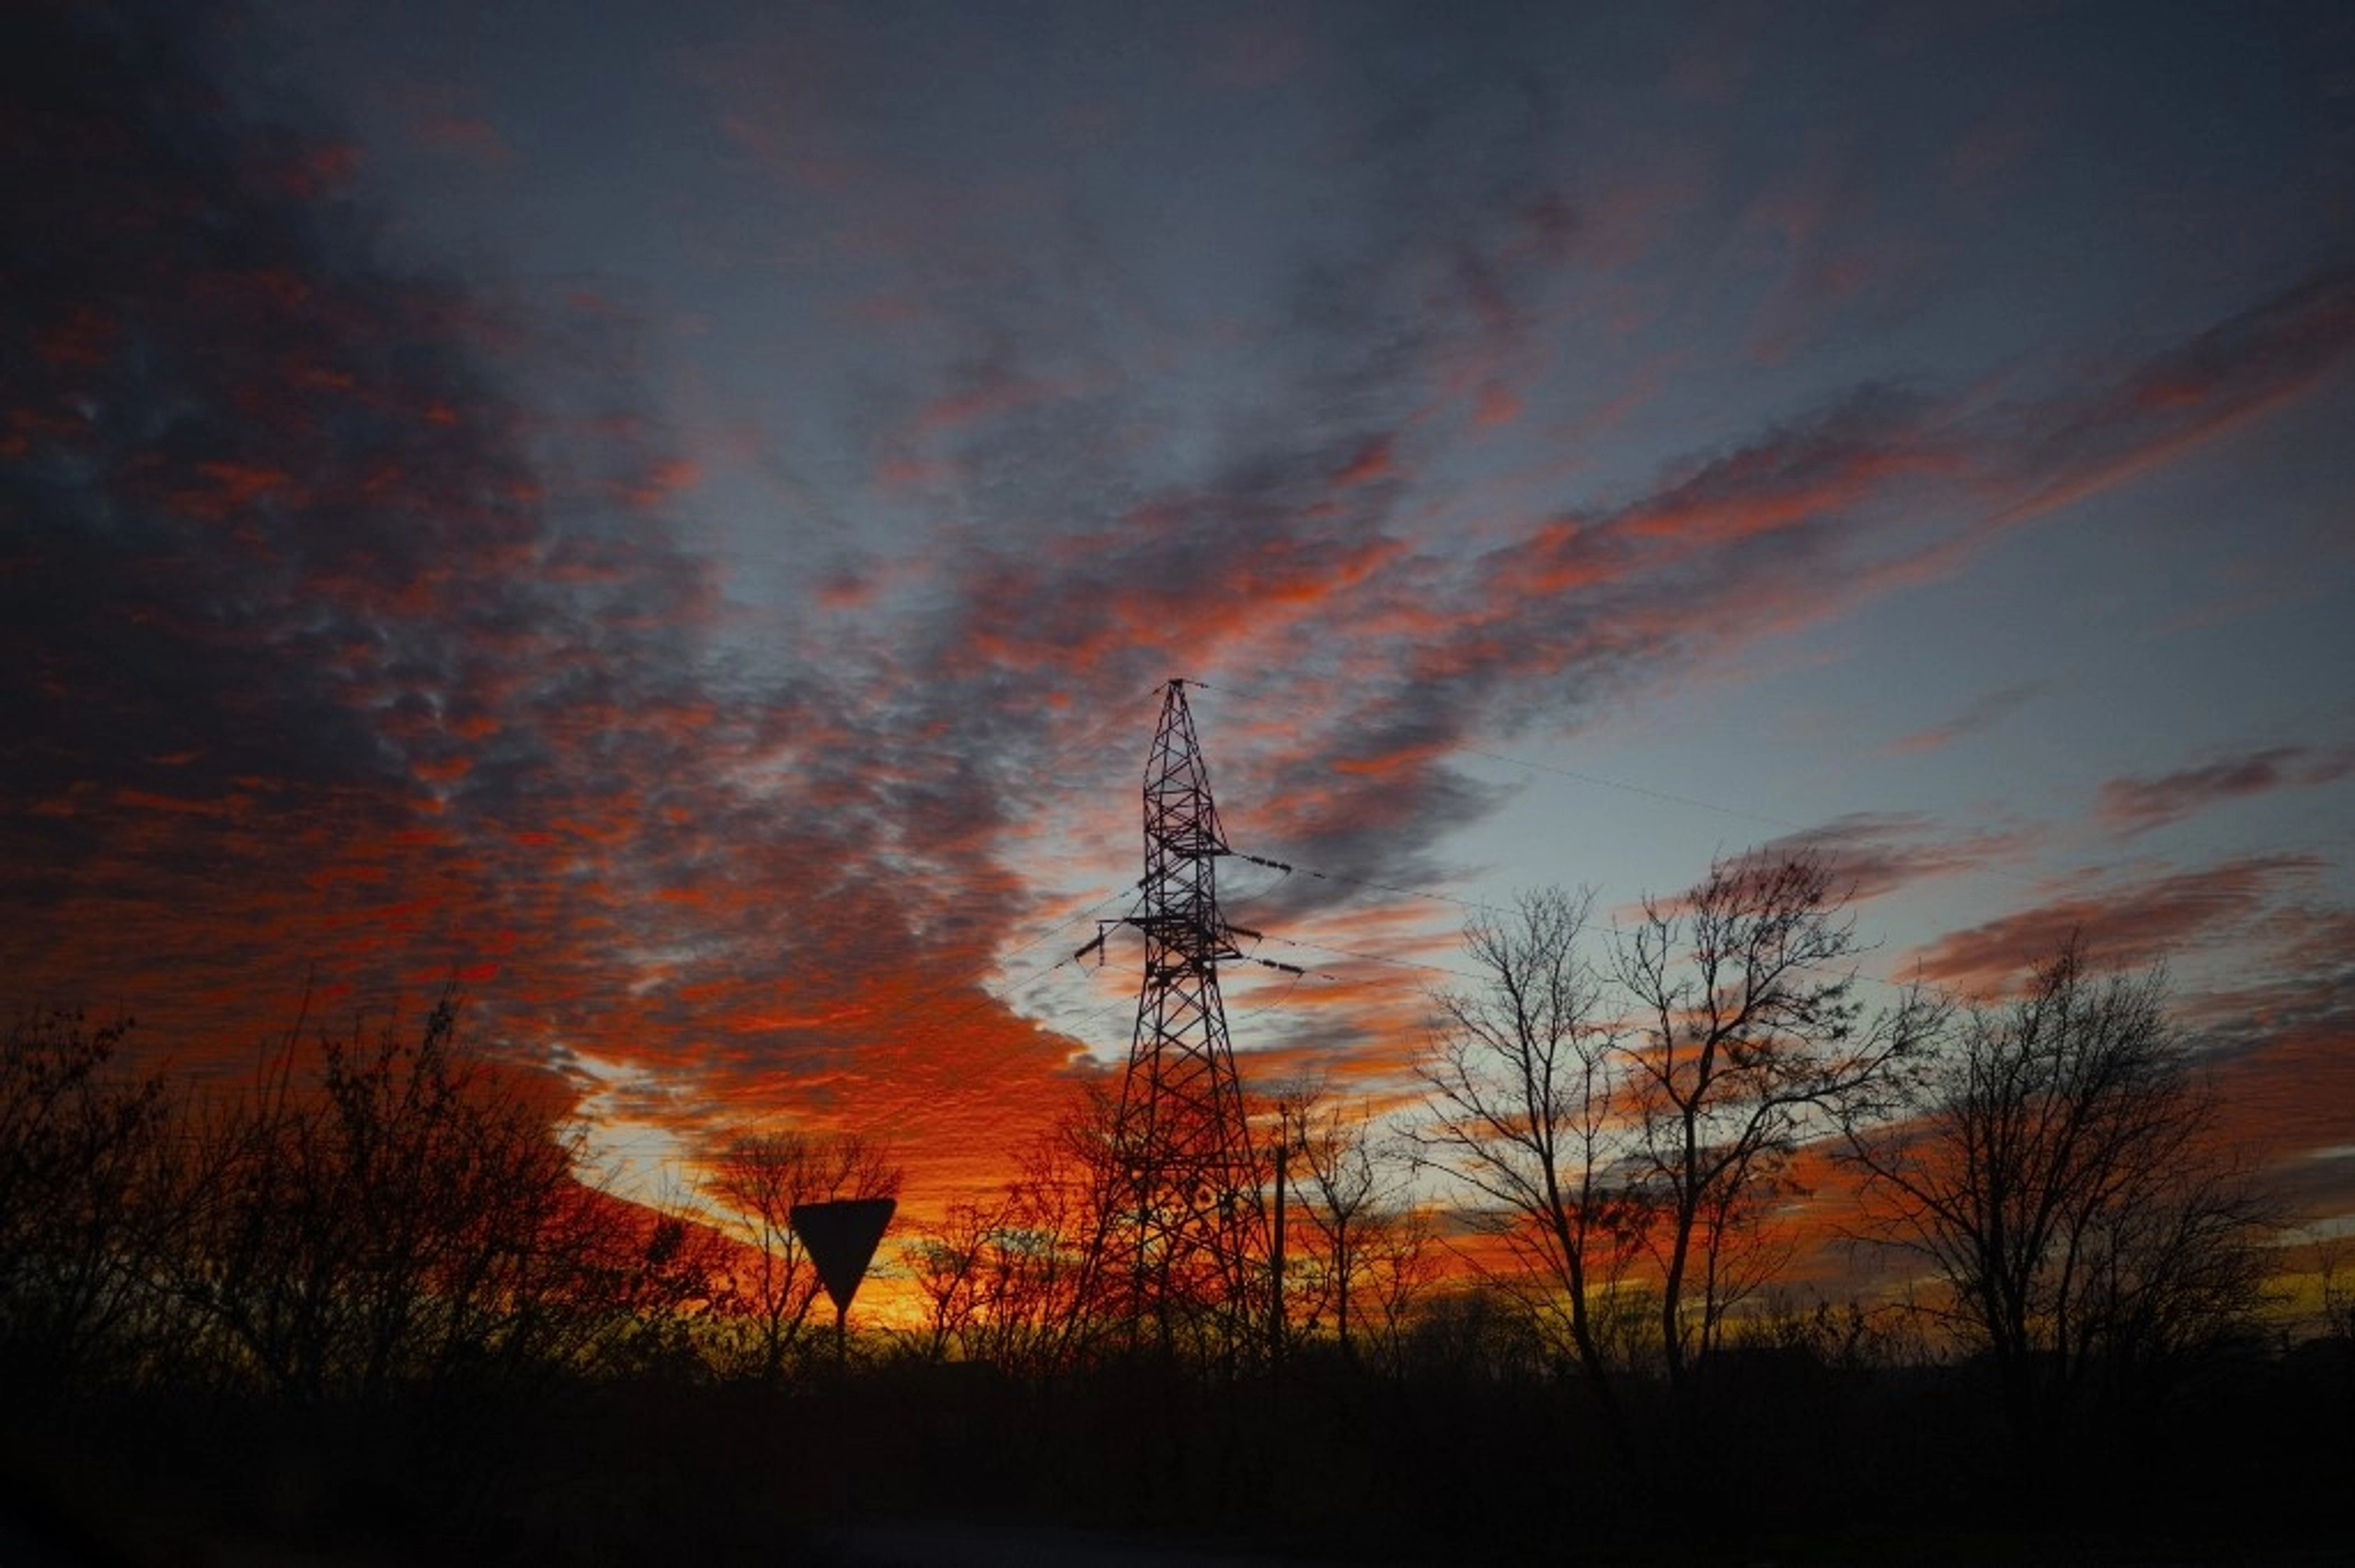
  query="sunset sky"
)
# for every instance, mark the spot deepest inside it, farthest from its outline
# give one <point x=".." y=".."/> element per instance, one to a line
<point x="674" y="515"/>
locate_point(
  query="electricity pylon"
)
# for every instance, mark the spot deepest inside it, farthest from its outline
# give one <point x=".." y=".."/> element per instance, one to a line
<point x="1181" y="1242"/>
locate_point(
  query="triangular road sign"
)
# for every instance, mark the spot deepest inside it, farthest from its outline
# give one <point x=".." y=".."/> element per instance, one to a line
<point x="841" y="1237"/>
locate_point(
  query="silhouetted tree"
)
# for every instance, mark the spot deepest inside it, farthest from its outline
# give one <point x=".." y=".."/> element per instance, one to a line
<point x="1751" y="1042"/>
<point x="1359" y="1234"/>
<point x="1652" y="1114"/>
<point x="2059" y="1168"/>
<point x="1008" y="1280"/>
<point x="1403" y="1260"/>
<point x="1474" y="1332"/>
<point x="411" y="1214"/>
<point x="1529" y="1106"/>
<point x="1740" y="1250"/>
<point x="638" y="1280"/>
<point x="2337" y="1290"/>
<point x="81" y="1151"/>
<point x="758" y="1178"/>
<point x="944" y="1261"/>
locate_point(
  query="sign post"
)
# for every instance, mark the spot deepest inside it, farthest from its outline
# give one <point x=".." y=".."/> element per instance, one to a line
<point x="841" y="1238"/>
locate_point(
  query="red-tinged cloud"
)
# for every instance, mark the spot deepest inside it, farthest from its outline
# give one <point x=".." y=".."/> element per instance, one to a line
<point x="468" y="136"/>
<point x="1826" y="273"/>
<point x="986" y="391"/>
<point x="1978" y="717"/>
<point x="447" y="118"/>
<point x="2283" y="1050"/>
<point x="1372" y="463"/>
<point x="2146" y="413"/>
<point x="1872" y="853"/>
<point x="2125" y="925"/>
<point x="1255" y="56"/>
<point x="2138" y="805"/>
<point x="2275" y="1036"/>
<point x="2283" y="1100"/>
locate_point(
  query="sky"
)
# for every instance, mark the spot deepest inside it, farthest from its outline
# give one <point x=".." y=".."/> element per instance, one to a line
<point x="675" y="518"/>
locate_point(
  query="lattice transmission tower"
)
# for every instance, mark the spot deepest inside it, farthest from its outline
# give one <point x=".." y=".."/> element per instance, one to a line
<point x="1181" y="1249"/>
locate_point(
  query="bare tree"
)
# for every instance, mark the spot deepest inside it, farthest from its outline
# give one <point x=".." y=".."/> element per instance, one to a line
<point x="946" y="1262"/>
<point x="758" y="1179"/>
<point x="409" y="1213"/>
<point x="440" y="1175"/>
<point x="1357" y="1210"/>
<point x="80" y="1199"/>
<point x="631" y="1282"/>
<point x="1001" y="1278"/>
<point x="1528" y="1106"/>
<point x="1752" y="1041"/>
<point x="1741" y="1250"/>
<point x="2059" y="1169"/>
<point x="398" y="1209"/>
<point x="1402" y="1262"/>
<point x="1357" y="1253"/>
<point x="1628" y="1135"/>
<point x="1009" y="1279"/>
<point x="1041" y="1303"/>
<point x="2336" y="1292"/>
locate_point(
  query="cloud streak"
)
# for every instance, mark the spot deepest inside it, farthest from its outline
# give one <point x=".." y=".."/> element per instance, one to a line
<point x="2126" y="925"/>
<point x="2133" y="806"/>
<point x="1875" y="854"/>
<point x="1975" y="719"/>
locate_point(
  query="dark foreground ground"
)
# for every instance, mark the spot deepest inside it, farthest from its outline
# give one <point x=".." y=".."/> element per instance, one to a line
<point x="951" y="1546"/>
<point x="954" y="1467"/>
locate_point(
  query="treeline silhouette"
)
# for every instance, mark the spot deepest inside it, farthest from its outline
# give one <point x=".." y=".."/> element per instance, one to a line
<point x="367" y="1307"/>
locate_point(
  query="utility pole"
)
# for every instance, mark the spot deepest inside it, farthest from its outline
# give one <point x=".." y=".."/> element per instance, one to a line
<point x="1284" y="1147"/>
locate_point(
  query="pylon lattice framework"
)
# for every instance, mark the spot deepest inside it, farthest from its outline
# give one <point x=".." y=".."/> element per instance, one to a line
<point x="1192" y="1217"/>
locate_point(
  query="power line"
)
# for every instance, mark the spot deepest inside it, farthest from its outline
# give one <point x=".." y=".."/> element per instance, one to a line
<point x="1583" y="777"/>
<point x="1858" y="972"/>
<point x="1310" y="871"/>
<point x="1374" y="959"/>
<point x="1635" y="789"/>
<point x="1283" y="997"/>
<point x="1808" y="833"/>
